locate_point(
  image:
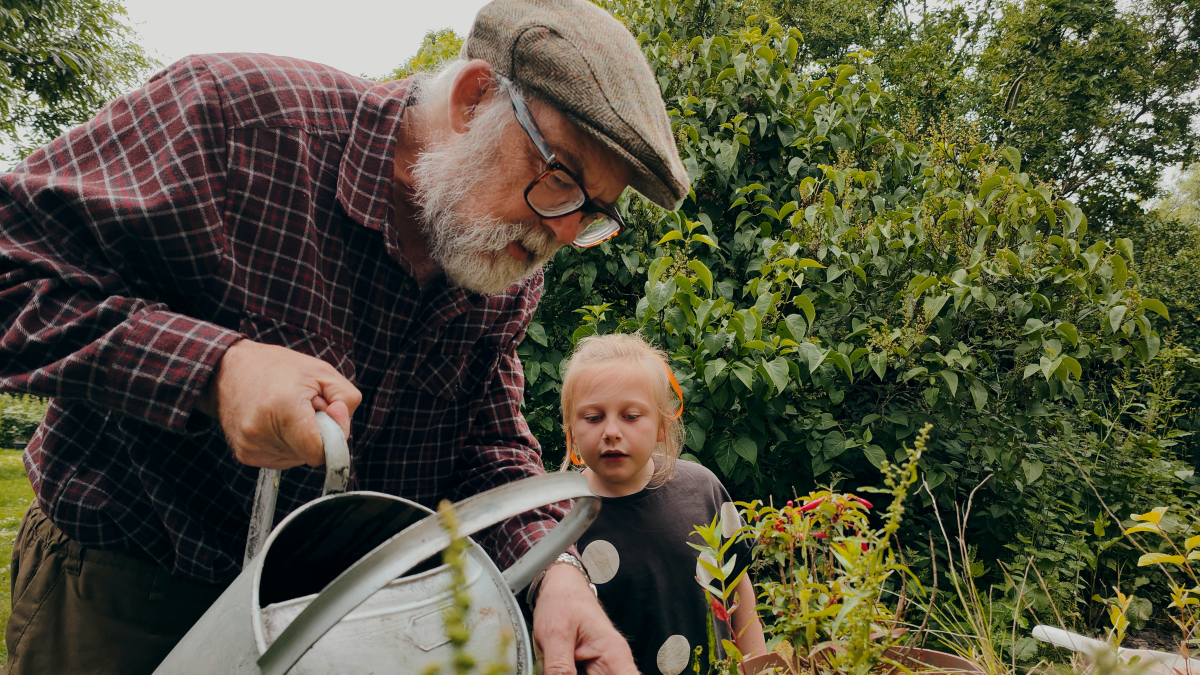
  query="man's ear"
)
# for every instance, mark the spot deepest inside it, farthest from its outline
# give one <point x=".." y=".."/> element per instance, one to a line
<point x="472" y="86"/>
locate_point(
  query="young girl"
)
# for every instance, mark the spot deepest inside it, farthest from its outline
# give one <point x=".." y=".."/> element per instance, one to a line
<point x="621" y="414"/>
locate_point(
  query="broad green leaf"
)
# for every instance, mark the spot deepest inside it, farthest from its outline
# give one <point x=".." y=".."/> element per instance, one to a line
<point x="801" y="300"/>
<point x="1068" y="331"/>
<point x="705" y="239"/>
<point x="919" y="370"/>
<point x="796" y="326"/>
<point x="670" y="236"/>
<point x="702" y="273"/>
<point x="1125" y="248"/>
<point x="813" y="355"/>
<point x="951" y="379"/>
<point x="839" y="359"/>
<point x="712" y="369"/>
<point x="978" y="394"/>
<point x="1157" y="307"/>
<point x="1144" y="528"/>
<point x="986" y="187"/>
<point x="1013" y="156"/>
<point x="875" y="455"/>
<point x="1033" y="470"/>
<point x="1072" y="366"/>
<point x="933" y="306"/>
<point x="746" y="448"/>
<point x="1159" y="558"/>
<point x="1152" y="516"/>
<point x="537" y="333"/>
<point x="778" y="372"/>
<point x="807" y="262"/>
<point x="745" y="374"/>
<point x="878" y="361"/>
<point x="1192" y="543"/>
<point x="1115" y="316"/>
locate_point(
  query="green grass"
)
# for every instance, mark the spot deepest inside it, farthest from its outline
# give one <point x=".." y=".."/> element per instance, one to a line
<point x="15" y="495"/>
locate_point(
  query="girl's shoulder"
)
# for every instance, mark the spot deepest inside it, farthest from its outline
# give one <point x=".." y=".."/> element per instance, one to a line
<point x="694" y="472"/>
<point x="697" y="478"/>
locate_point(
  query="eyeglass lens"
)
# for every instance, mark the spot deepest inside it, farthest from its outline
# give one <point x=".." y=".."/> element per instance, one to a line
<point x="557" y="194"/>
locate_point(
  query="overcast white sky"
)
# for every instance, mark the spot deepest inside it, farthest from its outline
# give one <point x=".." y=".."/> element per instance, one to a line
<point x="362" y="37"/>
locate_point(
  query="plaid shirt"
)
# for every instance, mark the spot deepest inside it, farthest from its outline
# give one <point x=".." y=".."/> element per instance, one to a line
<point x="235" y="196"/>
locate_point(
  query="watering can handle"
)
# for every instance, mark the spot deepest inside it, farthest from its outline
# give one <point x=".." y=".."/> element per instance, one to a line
<point x="421" y="540"/>
<point x="337" y="477"/>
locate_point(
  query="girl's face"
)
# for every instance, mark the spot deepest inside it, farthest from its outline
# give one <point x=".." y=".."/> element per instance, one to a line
<point x="616" y="426"/>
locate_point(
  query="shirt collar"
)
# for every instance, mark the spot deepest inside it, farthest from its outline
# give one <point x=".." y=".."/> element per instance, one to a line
<point x="364" y="185"/>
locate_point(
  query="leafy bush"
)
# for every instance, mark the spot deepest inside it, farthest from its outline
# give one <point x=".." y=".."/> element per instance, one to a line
<point x="835" y="283"/>
<point x="20" y="416"/>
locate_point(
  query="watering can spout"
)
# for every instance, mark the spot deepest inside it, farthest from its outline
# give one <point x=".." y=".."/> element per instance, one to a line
<point x="1163" y="663"/>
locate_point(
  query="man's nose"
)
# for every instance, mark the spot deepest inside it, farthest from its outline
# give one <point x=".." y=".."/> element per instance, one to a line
<point x="565" y="228"/>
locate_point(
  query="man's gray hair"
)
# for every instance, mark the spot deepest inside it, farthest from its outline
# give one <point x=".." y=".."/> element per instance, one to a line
<point x="436" y="86"/>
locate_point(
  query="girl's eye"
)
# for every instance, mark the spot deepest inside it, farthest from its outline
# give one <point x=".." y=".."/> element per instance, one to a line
<point x="592" y="418"/>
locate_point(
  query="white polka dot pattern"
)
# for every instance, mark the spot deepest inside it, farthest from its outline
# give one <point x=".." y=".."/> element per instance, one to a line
<point x="601" y="560"/>
<point x="673" y="655"/>
<point x="701" y="573"/>
<point x="730" y="520"/>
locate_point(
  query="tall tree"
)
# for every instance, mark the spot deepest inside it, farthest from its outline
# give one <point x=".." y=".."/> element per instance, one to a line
<point x="60" y="61"/>
<point x="1098" y="95"/>
<point x="438" y="47"/>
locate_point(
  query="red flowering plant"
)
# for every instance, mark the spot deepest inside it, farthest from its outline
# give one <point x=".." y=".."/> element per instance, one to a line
<point x="831" y="569"/>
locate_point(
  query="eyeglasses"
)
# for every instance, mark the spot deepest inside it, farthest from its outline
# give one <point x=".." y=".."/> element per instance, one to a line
<point x="557" y="192"/>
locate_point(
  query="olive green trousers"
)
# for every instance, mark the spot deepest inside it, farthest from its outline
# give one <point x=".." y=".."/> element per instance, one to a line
<point x="79" y="610"/>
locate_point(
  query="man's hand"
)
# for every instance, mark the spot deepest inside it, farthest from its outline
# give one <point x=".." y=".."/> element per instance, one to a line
<point x="570" y="626"/>
<point x="266" y="398"/>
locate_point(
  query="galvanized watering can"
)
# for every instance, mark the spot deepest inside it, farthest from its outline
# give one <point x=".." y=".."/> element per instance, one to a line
<point x="325" y="593"/>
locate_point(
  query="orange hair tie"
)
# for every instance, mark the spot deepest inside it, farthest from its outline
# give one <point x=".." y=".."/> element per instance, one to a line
<point x="678" y="391"/>
<point x="575" y="460"/>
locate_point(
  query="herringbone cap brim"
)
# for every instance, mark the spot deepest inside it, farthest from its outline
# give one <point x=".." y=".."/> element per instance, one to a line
<point x="581" y="60"/>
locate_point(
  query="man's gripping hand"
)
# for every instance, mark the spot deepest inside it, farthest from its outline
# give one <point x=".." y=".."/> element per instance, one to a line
<point x="570" y="626"/>
<point x="266" y="398"/>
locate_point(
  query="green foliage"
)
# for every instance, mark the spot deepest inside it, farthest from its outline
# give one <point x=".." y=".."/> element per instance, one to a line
<point x="438" y="47"/>
<point x="835" y="283"/>
<point x="60" y="61"/>
<point x="1096" y="93"/>
<point x="20" y="415"/>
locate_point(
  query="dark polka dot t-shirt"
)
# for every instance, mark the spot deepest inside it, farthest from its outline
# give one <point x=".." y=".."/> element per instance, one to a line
<point x="638" y="556"/>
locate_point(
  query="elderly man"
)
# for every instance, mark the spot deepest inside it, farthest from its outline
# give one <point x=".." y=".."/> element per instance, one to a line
<point x="248" y="239"/>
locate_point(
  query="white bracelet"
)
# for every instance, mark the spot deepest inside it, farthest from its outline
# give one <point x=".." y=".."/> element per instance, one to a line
<point x="531" y="595"/>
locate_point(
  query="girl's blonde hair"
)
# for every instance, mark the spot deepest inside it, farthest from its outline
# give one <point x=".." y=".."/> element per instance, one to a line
<point x="651" y="365"/>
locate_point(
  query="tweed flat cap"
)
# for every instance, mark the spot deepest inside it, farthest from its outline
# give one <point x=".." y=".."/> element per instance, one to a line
<point x="581" y="60"/>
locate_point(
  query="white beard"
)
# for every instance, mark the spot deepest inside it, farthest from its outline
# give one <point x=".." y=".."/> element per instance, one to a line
<point x="471" y="249"/>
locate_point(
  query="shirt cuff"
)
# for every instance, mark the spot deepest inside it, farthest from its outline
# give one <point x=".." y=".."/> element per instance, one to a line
<point x="163" y="365"/>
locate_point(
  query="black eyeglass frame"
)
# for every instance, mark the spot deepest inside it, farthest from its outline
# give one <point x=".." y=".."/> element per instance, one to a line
<point x="525" y="119"/>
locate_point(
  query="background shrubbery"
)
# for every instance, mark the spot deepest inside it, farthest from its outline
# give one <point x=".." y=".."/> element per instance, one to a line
<point x="855" y="262"/>
<point x="20" y="416"/>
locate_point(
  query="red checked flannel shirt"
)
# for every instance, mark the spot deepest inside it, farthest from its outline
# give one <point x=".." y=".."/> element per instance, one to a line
<point x="241" y="195"/>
